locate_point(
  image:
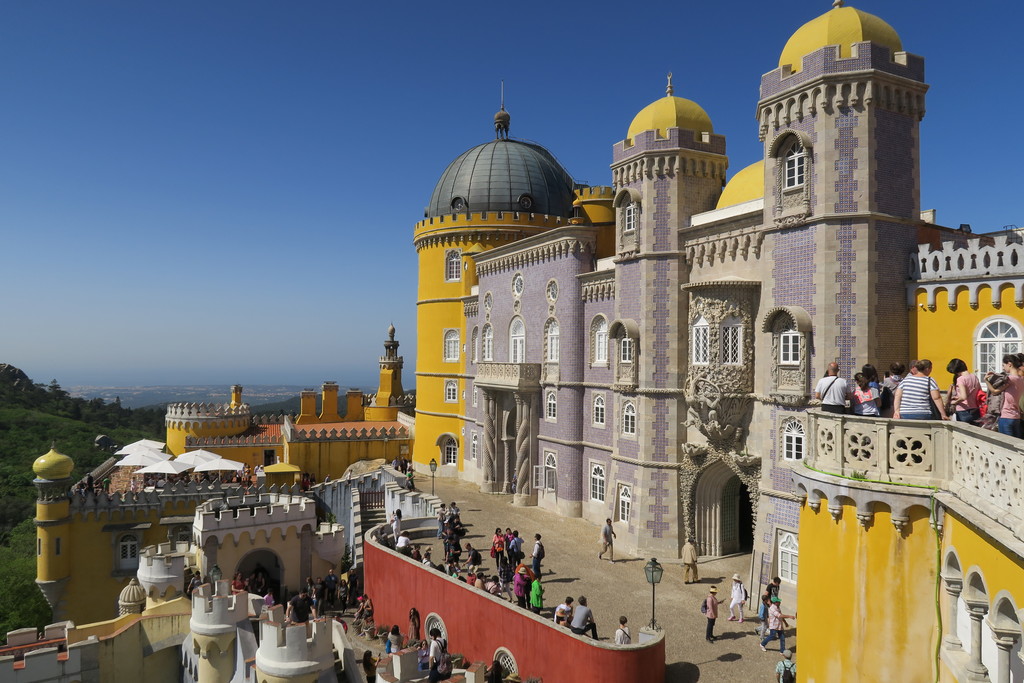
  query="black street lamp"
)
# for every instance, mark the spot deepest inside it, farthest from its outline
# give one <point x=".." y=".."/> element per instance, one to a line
<point x="433" y="468"/>
<point x="653" y="570"/>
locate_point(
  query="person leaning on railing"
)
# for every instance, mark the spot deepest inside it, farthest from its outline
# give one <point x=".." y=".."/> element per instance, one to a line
<point x="918" y="397"/>
<point x="1010" y="384"/>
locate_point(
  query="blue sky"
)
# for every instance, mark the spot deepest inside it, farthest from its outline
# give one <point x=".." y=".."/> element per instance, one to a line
<point x="218" y="192"/>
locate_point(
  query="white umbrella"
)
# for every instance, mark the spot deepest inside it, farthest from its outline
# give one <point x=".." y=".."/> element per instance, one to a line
<point x="197" y="457"/>
<point x="140" y="459"/>
<point x="165" y="467"/>
<point x="141" y="444"/>
<point x="219" y="465"/>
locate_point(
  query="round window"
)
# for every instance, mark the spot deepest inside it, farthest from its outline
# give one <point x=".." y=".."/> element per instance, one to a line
<point x="458" y="205"/>
<point x="525" y="202"/>
<point x="434" y="621"/>
<point x="517" y="284"/>
<point x="506" y="661"/>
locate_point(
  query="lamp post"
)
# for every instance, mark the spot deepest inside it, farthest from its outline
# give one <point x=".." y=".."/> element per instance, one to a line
<point x="216" y="574"/>
<point x="653" y="570"/>
<point x="433" y="468"/>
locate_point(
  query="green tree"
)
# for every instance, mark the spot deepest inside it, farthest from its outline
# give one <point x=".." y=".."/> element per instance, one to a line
<point x="21" y="603"/>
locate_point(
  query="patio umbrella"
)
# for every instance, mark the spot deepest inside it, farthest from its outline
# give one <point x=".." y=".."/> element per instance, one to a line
<point x="219" y="465"/>
<point x="140" y="459"/>
<point x="165" y="467"/>
<point x="197" y="457"/>
<point x="143" y="445"/>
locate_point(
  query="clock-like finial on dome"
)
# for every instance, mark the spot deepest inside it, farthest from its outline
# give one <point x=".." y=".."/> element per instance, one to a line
<point x="669" y="89"/>
<point x="502" y="118"/>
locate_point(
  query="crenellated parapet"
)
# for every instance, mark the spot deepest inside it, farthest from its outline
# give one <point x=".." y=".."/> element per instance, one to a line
<point x="201" y="411"/>
<point x="216" y="611"/>
<point x="288" y="651"/>
<point x="966" y="262"/>
<point x="484" y="226"/>
<point x="188" y="493"/>
<point x="550" y="246"/>
<point x="243" y="440"/>
<point x="297" y="434"/>
<point x="277" y="515"/>
<point x="161" y="568"/>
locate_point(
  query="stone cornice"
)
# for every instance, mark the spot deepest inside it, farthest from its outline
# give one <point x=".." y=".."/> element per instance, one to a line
<point x="551" y="245"/>
<point x="597" y="286"/>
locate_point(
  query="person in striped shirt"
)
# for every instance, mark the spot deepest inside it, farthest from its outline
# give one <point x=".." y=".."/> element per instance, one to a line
<point x="916" y="395"/>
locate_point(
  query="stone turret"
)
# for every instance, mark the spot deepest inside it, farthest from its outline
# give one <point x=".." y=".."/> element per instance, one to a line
<point x="161" y="569"/>
<point x="298" y="653"/>
<point x="132" y="599"/>
<point x="216" y="615"/>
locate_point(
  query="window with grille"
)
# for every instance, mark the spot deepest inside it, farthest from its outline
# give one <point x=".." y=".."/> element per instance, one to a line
<point x="789" y="556"/>
<point x="793" y="440"/>
<point x="474" y="446"/>
<point x="629" y="419"/>
<point x="451" y="452"/>
<point x="128" y="552"/>
<point x="451" y="391"/>
<point x="552" y="406"/>
<point x="552" y="341"/>
<point x="732" y="342"/>
<point x="517" y="342"/>
<point x="625" y="503"/>
<point x="796" y="166"/>
<point x="451" y="346"/>
<point x="599" y="411"/>
<point x="488" y="343"/>
<point x="453" y="265"/>
<point x="600" y="340"/>
<point x="597" y="483"/>
<point x="994" y="340"/>
<point x="701" y="342"/>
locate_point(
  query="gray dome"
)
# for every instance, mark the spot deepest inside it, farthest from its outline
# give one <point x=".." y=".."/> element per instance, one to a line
<point x="503" y="175"/>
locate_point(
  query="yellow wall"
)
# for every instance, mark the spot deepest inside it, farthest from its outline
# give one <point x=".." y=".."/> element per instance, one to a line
<point x="944" y="334"/>
<point x="125" y="640"/>
<point x="332" y="458"/>
<point x="865" y="592"/>
<point x="178" y="430"/>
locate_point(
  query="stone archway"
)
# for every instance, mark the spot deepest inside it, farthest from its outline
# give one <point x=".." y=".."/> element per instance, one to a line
<point x="723" y="518"/>
<point x="264" y="560"/>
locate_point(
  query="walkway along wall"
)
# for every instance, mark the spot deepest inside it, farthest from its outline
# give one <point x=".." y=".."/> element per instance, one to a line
<point x="478" y="624"/>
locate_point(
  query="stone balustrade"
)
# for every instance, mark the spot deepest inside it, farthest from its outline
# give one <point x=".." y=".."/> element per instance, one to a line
<point x="982" y="468"/>
<point x="509" y="376"/>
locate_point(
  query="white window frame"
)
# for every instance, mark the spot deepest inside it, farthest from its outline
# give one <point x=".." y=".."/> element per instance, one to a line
<point x="629" y="419"/>
<point x="474" y="447"/>
<point x="598" y="412"/>
<point x="475" y="351"/>
<point x="631" y="216"/>
<point x="453" y="265"/>
<point x="551" y="405"/>
<point x="1003" y="337"/>
<point x="450" y="451"/>
<point x="788" y="556"/>
<point x="128" y="551"/>
<point x="794" y="441"/>
<point x="598" y="482"/>
<point x="517" y="341"/>
<point x="731" y="341"/>
<point x="550" y="470"/>
<point x="700" y="345"/>
<point x="627" y="350"/>
<point x="488" y="343"/>
<point x="795" y="170"/>
<point x="451" y="346"/>
<point x="789" y="347"/>
<point x="552" y="333"/>
<point x="600" y="341"/>
<point x="475" y="397"/>
<point x="451" y="391"/>
<point x="624" y="503"/>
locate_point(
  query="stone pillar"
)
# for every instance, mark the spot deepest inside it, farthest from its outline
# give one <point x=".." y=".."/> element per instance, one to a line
<point x="490" y="442"/>
<point x="954" y="585"/>
<point x="1005" y="640"/>
<point x="524" y="485"/>
<point x="976" y="671"/>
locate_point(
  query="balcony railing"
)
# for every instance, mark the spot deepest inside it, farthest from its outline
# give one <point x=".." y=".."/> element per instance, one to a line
<point x="984" y="469"/>
<point x="509" y="376"/>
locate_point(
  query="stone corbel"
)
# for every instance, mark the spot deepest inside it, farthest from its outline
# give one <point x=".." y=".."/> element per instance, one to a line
<point x="836" y="512"/>
<point x="866" y="519"/>
<point x="900" y="522"/>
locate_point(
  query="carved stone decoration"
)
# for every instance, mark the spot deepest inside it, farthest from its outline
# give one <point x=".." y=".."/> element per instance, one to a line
<point x="718" y="416"/>
<point x="718" y="303"/>
<point x="695" y="452"/>
<point x="690" y="473"/>
<point x="789" y="382"/>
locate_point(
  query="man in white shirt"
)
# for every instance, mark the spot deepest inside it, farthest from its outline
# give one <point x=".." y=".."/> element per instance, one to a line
<point x="622" y="636"/>
<point x="832" y="390"/>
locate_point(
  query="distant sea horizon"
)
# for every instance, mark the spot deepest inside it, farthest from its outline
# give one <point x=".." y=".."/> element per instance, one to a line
<point x="150" y="395"/>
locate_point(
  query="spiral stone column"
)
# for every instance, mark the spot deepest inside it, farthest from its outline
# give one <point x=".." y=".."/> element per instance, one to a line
<point x="524" y="485"/>
<point x="489" y="441"/>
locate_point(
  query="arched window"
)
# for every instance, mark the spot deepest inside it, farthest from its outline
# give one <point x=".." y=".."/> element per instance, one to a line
<point x="451" y="391"/>
<point x="451" y="346"/>
<point x="789" y="346"/>
<point x="488" y="343"/>
<point x="732" y="341"/>
<point x="631" y="218"/>
<point x="789" y="556"/>
<point x="451" y="452"/>
<point x="625" y="503"/>
<point x="474" y="447"/>
<point x="517" y="342"/>
<point x="629" y="418"/>
<point x="796" y="166"/>
<point x="453" y="265"/>
<point x="550" y="471"/>
<point x="994" y="340"/>
<point x="474" y="351"/>
<point x="599" y="411"/>
<point x="597" y="483"/>
<point x="599" y="339"/>
<point x="128" y="552"/>
<point x="551" y="403"/>
<point x="551" y="339"/>
<point x="626" y="350"/>
<point x="701" y="342"/>
<point x="793" y="440"/>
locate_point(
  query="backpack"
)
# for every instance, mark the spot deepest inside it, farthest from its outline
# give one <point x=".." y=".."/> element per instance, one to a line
<point x="540" y="551"/>
<point x="444" y="663"/>
<point x="888" y="398"/>
<point x="787" y="673"/>
<point x="704" y="606"/>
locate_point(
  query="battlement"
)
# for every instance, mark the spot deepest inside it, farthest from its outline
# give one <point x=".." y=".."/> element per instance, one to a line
<point x="678" y="138"/>
<point x="251" y="512"/>
<point x="186" y="492"/>
<point x="243" y="440"/>
<point x="965" y="256"/>
<point x="32" y="656"/>
<point x="296" y="434"/>
<point x="293" y="650"/>
<point x="486" y="219"/>
<point x="206" y="411"/>
<point x="162" y="566"/>
<point x="216" y="611"/>
<point x="595" y="192"/>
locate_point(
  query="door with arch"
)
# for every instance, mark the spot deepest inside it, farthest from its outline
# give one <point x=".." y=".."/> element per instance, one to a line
<point x="723" y="515"/>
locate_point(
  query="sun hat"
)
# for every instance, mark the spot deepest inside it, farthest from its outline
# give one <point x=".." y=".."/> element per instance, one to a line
<point x="788" y="654"/>
<point x="736" y="577"/>
<point x="714" y="589"/>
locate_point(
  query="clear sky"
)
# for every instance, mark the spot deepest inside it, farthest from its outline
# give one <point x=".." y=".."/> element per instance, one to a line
<point x="218" y="192"/>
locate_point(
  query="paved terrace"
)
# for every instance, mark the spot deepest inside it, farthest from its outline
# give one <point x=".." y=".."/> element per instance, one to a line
<point x="572" y="568"/>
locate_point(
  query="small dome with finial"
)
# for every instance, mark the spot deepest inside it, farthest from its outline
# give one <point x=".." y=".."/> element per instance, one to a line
<point x="842" y="26"/>
<point x="670" y="112"/>
<point x="133" y="598"/>
<point x="53" y="466"/>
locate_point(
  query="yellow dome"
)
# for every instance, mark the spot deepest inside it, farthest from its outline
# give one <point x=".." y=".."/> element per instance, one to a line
<point x="670" y="112"/>
<point x="53" y="466"/>
<point x="842" y="26"/>
<point x="745" y="186"/>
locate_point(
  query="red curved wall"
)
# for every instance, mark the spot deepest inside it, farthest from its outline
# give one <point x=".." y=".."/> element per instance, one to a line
<point x="478" y="624"/>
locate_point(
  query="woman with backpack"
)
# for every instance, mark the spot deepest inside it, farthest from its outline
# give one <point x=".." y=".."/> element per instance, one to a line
<point x="440" y="661"/>
<point x="498" y="546"/>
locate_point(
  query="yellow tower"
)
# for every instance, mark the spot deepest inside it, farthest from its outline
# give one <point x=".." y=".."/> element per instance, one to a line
<point x="216" y="614"/>
<point x="53" y="566"/>
<point x="491" y="195"/>
<point x="390" y="394"/>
